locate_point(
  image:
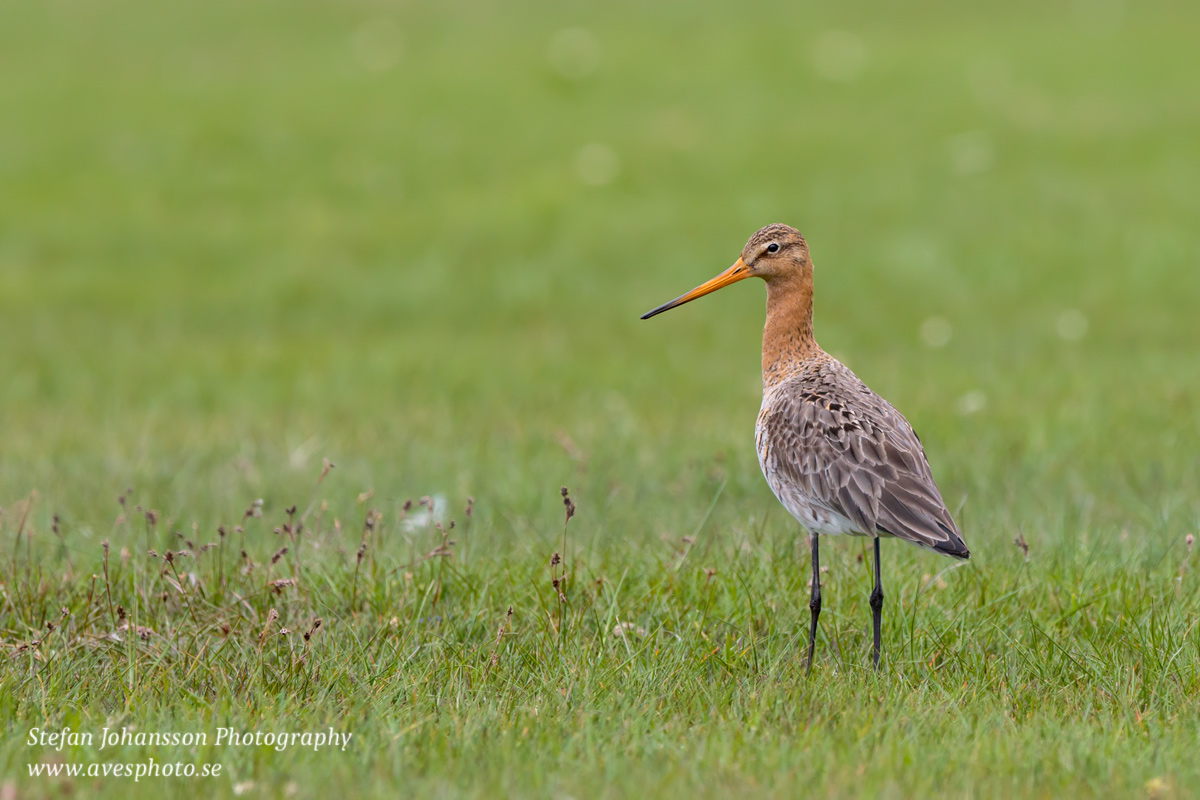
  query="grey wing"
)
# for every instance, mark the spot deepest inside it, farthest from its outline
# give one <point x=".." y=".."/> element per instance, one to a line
<point x="863" y="461"/>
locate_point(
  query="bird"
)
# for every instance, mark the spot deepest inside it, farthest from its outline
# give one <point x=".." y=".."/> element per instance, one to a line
<point x="839" y="458"/>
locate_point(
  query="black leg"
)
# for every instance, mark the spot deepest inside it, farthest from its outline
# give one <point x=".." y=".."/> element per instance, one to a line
<point x="877" y="603"/>
<point x="814" y="602"/>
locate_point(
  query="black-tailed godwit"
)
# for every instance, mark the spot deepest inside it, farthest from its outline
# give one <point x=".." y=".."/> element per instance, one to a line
<point x="838" y="456"/>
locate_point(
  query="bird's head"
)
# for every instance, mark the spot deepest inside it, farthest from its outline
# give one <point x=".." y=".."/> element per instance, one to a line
<point x="775" y="253"/>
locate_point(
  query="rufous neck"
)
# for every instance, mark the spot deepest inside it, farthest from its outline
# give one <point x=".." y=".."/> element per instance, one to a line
<point x="788" y="335"/>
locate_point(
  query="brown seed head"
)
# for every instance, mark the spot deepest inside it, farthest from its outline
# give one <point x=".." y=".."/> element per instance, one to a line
<point x="1020" y="542"/>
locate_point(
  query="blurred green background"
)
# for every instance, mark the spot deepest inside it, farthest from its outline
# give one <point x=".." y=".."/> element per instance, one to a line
<point x="416" y="238"/>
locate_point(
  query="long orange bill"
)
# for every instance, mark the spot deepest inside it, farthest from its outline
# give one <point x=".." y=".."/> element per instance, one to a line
<point x="734" y="274"/>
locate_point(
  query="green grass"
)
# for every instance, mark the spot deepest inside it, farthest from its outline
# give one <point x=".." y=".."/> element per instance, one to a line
<point x="239" y="238"/>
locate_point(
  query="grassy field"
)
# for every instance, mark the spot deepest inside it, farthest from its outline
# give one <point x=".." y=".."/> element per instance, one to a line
<point x="239" y="241"/>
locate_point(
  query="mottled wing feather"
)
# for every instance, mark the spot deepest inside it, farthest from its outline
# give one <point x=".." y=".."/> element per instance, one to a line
<point x="845" y="449"/>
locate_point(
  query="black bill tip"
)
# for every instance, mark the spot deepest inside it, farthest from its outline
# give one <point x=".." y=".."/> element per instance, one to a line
<point x="661" y="309"/>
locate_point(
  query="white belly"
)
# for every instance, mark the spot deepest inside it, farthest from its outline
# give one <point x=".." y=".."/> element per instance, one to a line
<point x="815" y="518"/>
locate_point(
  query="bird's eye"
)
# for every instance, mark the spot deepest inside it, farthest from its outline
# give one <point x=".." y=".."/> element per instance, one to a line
<point x="773" y="247"/>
